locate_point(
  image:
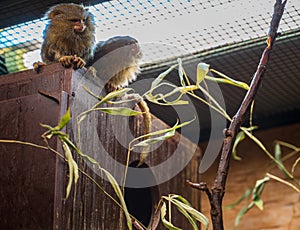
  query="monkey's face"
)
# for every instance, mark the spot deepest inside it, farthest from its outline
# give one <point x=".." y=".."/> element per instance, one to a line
<point x="78" y="25"/>
<point x="71" y="17"/>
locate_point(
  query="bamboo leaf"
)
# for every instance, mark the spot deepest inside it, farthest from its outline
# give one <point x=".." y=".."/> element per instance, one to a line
<point x="180" y="72"/>
<point x="231" y="81"/>
<point x="196" y="214"/>
<point x="279" y="163"/>
<point x="114" y="94"/>
<point x="259" y="185"/>
<point x="257" y="191"/>
<point x="162" y="76"/>
<point x="122" y="111"/>
<point x="202" y="70"/>
<point x="245" y="195"/>
<point x="70" y="161"/>
<point x="166" y="223"/>
<point x="241" y="213"/>
<point x="91" y="93"/>
<point x="259" y="203"/>
<point x="227" y="81"/>
<point x="186" y="214"/>
<point x="71" y="144"/>
<point x="46" y="126"/>
<point x="182" y="204"/>
<point x="76" y="171"/>
<point x="239" y="138"/>
<point x="165" y="134"/>
<point x="176" y="102"/>
<point x="119" y="194"/>
<point x="154" y="140"/>
<point x="188" y="88"/>
<point x="81" y="117"/>
<point x="64" y="120"/>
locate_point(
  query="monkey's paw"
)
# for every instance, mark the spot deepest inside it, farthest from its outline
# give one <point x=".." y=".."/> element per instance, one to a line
<point x="67" y="61"/>
<point x="110" y="87"/>
<point x="78" y="62"/>
<point x="37" y="66"/>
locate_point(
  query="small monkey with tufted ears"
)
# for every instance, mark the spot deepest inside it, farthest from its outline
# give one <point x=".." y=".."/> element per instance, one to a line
<point x="69" y="38"/>
<point x="117" y="62"/>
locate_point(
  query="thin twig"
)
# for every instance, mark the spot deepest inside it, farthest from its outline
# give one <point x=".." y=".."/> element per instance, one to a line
<point x="202" y="186"/>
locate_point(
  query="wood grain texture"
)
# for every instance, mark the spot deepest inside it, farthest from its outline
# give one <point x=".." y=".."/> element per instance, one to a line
<point x="33" y="181"/>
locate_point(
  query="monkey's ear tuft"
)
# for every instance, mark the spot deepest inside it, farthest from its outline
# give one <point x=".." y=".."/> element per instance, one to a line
<point x="53" y="13"/>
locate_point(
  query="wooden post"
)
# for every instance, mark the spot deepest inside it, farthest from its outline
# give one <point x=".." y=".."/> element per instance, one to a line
<point x="33" y="180"/>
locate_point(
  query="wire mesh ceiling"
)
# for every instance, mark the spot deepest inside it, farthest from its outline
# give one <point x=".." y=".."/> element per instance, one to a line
<point x="166" y="29"/>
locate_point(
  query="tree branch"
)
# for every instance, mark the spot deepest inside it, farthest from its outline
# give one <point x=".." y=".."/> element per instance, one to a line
<point x="202" y="186"/>
<point x="218" y="188"/>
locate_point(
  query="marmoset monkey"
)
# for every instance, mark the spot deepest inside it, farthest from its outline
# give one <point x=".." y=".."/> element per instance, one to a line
<point x="117" y="63"/>
<point x="69" y="38"/>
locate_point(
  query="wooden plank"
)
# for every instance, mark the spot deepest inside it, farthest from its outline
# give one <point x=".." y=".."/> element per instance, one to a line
<point x="26" y="100"/>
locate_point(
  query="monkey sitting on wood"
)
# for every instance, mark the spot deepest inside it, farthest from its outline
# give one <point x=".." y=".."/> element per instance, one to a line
<point x="69" y="38"/>
<point x="117" y="63"/>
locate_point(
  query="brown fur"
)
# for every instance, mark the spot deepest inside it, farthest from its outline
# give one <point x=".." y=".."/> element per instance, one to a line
<point x="60" y="37"/>
<point x="117" y="61"/>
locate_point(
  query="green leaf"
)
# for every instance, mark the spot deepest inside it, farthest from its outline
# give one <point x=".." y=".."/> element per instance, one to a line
<point x="154" y="140"/>
<point x="91" y="93"/>
<point x="279" y="163"/>
<point x="122" y="111"/>
<point x="71" y="144"/>
<point x="166" y="133"/>
<point x="166" y="223"/>
<point x="196" y="214"/>
<point x="180" y="72"/>
<point x="64" y="120"/>
<point x="257" y="191"/>
<point x="239" y="137"/>
<point x="46" y="126"/>
<point x="259" y="203"/>
<point x="114" y="94"/>
<point x="202" y="70"/>
<point x="256" y="198"/>
<point x="245" y="195"/>
<point x="119" y="194"/>
<point x="73" y="168"/>
<point x="188" y="211"/>
<point x="162" y="76"/>
<point x="181" y="209"/>
<point x="227" y="81"/>
<point x="259" y="185"/>
<point x="241" y="213"/>
<point x="188" y="88"/>
<point x="231" y="81"/>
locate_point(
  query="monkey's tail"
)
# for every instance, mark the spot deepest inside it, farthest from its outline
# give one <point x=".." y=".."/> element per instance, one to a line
<point x="147" y="129"/>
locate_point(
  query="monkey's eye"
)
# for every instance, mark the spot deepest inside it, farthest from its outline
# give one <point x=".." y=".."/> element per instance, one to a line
<point x="75" y="20"/>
